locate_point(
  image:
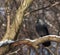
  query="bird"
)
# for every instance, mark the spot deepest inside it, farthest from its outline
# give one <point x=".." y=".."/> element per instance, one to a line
<point x="42" y="30"/>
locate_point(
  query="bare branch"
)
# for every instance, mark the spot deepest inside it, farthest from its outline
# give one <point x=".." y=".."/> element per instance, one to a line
<point x="19" y="17"/>
<point x="49" y="50"/>
<point x="14" y="27"/>
<point x="37" y="41"/>
<point x="49" y="6"/>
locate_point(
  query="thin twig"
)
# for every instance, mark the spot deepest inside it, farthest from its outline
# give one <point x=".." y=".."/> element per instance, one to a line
<point x="49" y="50"/>
<point x="49" y="6"/>
<point x="13" y="52"/>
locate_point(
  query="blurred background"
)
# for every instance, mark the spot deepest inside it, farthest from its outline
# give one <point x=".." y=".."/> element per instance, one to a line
<point x="50" y="16"/>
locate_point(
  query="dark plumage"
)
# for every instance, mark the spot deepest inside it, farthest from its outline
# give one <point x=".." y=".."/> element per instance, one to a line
<point x="42" y="30"/>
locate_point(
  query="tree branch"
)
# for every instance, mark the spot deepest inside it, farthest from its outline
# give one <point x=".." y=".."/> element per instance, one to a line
<point x="16" y="23"/>
<point x="37" y="41"/>
<point x="18" y="20"/>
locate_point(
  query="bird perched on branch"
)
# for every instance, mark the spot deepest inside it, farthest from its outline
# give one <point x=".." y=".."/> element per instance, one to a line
<point x="42" y="30"/>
